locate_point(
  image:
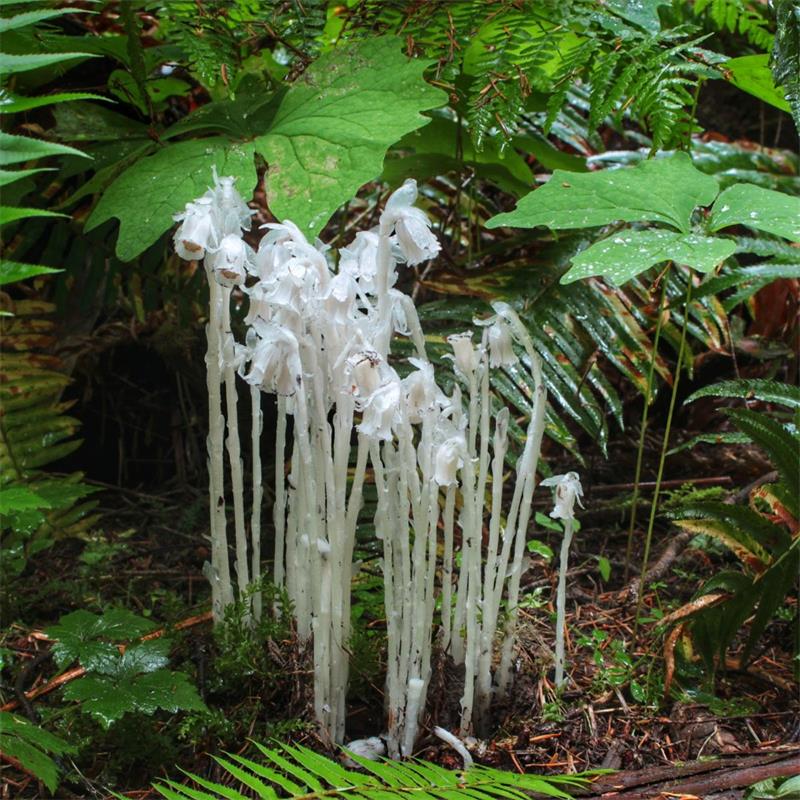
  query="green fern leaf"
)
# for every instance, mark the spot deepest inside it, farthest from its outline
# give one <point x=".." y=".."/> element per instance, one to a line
<point x="766" y="391"/>
<point x="319" y="777"/>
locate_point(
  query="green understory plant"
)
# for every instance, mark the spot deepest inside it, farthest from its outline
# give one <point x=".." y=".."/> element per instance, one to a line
<point x="36" y="507"/>
<point x="119" y="678"/>
<point x="670" y="191"/>
<point x="764" y="535"/>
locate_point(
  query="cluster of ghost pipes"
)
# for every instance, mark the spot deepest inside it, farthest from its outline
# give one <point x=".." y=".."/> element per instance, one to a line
<point x="320" y="340"/>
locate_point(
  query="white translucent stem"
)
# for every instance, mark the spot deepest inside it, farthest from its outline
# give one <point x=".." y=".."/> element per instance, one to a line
<point x="561" y="602"/>
<point x="343" y="427"/>
<point x="219" y="574"/>
<point x="470" y="564"/>
<point x="234" y="448"/>
<point x="491" y="601"/>
<point x="258" y="494"/>
<point x="535" y="433"/>
<point x="384" y="520"/>
<point x="382" y="284"/>
<point x="279" y="509"/>
<point x="447" y="567"/>
<point x="457" y="640"/>
<point x="414" y="705"/>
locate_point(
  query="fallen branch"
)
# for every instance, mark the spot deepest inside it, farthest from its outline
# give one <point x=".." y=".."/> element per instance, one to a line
<point x="77" y="672"/>
<point x="699" y="778"/>
<point x="665" y="561"/>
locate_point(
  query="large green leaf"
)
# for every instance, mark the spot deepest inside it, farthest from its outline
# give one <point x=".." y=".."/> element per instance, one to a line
<point x="78" y="635"/>
<point x="20" y="498"/>
<point x="107" y="699"/>
<point x="660" y="190"/>
<point x="623" y="256"/>
<point x="751" y="74"/>
<point x="16" y="149"/>
<point x="643" y="13"/>
<point x="147" y="195"/>
<point x="763" y="209"/>
<point x="333" y="127"/>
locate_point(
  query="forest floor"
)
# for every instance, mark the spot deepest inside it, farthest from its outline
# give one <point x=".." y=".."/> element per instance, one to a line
<point x="614" y="714"/>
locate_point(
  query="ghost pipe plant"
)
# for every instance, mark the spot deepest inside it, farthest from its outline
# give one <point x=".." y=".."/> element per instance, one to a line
<point x="211" y="230"/>
<point x="567" y="490"/>
<point x="320" y="341"/>
<point x="486" y="575"/>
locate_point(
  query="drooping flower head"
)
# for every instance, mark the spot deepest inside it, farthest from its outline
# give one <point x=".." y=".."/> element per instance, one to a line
<point x="501" y="351"/>
<point x="464" y="354"/>
<point x="231" y="261"/>
<point x="197" y="231"/>
<point x="364" y="371"/>
<point x="420" y="392"/>
<point x="274" y="361"/>
<point x="381" y="410"/>
<point x="412" y="227"/>
<point x="568" y="489"/>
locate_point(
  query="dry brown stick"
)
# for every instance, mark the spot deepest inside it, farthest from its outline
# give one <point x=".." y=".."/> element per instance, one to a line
<point x="725" y="774"/>
<point x="665" y="561"/>
<point x="77" y="672"/>
<point x="616" y="785"/>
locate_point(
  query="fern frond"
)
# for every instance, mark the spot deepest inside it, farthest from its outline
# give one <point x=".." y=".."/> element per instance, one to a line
<point x="737" y="16"/>
<point x="35" y="431"/>
<point x="785" y="56"/>
<point x="295" y="772"/>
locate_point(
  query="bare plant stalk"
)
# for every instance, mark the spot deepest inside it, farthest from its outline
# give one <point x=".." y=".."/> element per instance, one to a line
<point x="234" y="447"/>
<point x="526" y="472"/>
<point x="561" y="603"/>
<point x="447" y="567"/>
<point x="279" y="509"/>
<point x="491" y="599"/>
<point x="219" y="573"/>
<point x="258" y="495"/>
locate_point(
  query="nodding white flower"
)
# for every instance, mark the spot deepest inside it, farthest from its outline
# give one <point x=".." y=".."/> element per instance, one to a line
<point x="364" y="369"/>
<point x="411" y="225"/>
<point x="360" y="260"/>
<point x="464" y="354"/>
<point x="380" y="410"/>
<point x="568" y="489"/>
<point x="234" y="214"/>
<point x="274" y="359"/>
<point x="420" y="391"/>
<point x="501" y="352"/>
<point x="449" y="458"/>
<point x="282" y="233"/>
<point x="198" y="231"/>
<point x="339" y="299"/>
<point x="271" y="258"/>
<point x="229" y="262"/>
